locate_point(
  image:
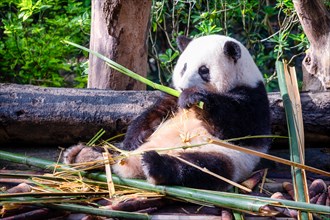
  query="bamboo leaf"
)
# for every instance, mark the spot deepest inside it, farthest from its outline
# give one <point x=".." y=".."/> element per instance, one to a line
<point x="126" y="71"/>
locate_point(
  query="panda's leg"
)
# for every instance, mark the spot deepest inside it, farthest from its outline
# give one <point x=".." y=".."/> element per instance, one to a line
<point x="168" y="170"/>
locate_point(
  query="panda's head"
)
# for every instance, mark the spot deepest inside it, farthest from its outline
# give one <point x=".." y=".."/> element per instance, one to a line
<point x="215" y="63"/>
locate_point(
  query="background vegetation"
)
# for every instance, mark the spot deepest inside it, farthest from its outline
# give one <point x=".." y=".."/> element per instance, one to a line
<point x="31" y="51"/>
<point x="31" y="32"/>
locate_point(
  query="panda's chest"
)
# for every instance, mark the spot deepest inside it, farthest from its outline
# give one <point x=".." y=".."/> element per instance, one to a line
<point x="184" y="128"/>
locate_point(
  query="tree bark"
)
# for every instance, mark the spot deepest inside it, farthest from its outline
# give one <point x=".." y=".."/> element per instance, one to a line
<point x="119" y="31"/>
<point x="315" y="20"/>
<point x="61" y="116"/>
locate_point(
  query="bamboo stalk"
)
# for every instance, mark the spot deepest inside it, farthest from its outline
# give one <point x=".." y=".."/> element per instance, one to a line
<point x="225" y="143"/>
<point x="205" y="170"/>
<point x="296" y="149"/>
<point x="269" y="157"/>
<point x="99" y="212"/>
<point x="227" y="200"/>
<point x="111" y="186"/>
<point x="41" y="194"/>
<point x="96" y="137"/>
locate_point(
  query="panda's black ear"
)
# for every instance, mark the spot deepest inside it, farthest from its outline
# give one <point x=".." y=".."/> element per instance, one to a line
<point x="232" y="50"/>
<point x="183" y="42"/>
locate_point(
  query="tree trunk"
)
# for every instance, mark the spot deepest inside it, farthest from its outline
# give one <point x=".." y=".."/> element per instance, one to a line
<point x="315" y="20"/>
<point x="60" y="116"/>
<point x="119" y="31"/>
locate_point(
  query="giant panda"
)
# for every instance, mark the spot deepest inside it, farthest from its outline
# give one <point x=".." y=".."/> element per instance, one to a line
<point x="219" y="72"/>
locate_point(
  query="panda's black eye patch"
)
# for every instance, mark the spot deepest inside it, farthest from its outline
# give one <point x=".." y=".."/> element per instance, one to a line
<point x="204" y="72"/>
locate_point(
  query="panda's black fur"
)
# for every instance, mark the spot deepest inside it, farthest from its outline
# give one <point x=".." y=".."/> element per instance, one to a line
<point x="232" y="108"/>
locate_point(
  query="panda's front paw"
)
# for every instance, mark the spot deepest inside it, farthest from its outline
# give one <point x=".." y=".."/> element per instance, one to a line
<point x="191" y="96"/>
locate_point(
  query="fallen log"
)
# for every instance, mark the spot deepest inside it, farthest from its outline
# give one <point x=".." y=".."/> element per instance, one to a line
<point x="57" y="116"/>
<point x="63" y="116"/>
<point x="316" y="116"/>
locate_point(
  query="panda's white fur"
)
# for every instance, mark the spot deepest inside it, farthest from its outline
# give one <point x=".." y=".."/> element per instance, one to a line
<point x="187" y="126"/>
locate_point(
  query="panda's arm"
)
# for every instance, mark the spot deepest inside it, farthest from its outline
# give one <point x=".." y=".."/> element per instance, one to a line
<point x="145" y="124"/>
<point x="241" y="112"/>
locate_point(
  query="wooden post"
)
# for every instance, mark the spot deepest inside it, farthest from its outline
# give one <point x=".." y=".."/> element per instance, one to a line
<point x="119" y="31"/>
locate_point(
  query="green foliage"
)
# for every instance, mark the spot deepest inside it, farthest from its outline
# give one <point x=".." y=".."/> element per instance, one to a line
<point x="31" y="34"/>
<point x="269" y="31"/>
<point x="31" y="49"/>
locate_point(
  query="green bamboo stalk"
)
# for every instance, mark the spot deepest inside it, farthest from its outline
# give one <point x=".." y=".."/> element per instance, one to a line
<point x="238" y="215"/>
<point x="297" y="173"/>
<point x="39" y="200"/>
<point x="223" y="199"/>
<point x="67" y="205"/>
<point x="126" y="71"/>
<point x="99" y="212"/>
